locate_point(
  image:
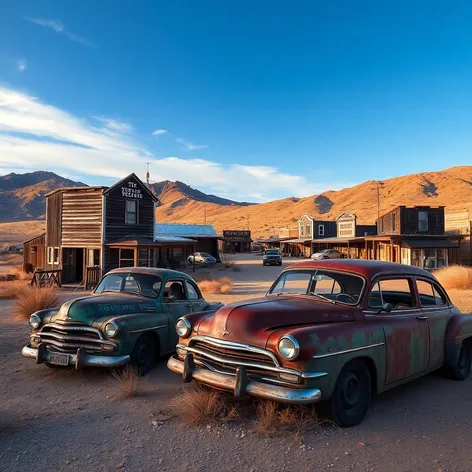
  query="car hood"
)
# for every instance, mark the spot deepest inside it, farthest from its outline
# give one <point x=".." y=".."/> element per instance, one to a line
<point x="103" y="306"/>
<point x="253" y="321"/>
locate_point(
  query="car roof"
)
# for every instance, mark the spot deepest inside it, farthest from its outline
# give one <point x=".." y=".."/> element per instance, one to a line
<point x="366" y="268"/>
<point x="163" y="273"/>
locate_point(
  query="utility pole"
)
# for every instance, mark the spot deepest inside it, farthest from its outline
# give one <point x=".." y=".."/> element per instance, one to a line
<point x="248" y="221"/>
<point x="379" y="185"/>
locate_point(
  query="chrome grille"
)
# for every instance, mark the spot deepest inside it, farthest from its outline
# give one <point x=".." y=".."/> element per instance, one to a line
<point x="226" y="357"/>
<point x="68" y="337"/>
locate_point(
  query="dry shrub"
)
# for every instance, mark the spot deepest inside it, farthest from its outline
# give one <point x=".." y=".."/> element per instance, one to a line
<point x="32" y="298"/>
<point x="10" y="290"/>
<point x="19" y="273"/>
<point x="223" y="285"/>
<point x="274" y="418"/>
<point x="455" y="277"/>
<point x="127" y="381"/>
<point x="202" y="406"/>
<point x="462" y="299"/>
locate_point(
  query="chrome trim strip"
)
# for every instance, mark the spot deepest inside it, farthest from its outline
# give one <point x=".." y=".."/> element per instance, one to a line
<point x="329" y="354"/>
<point x="147" y="329"/>
<point x="314" y="375"/>
<point x="65" y="327"/>
<point x="65" y="337"/>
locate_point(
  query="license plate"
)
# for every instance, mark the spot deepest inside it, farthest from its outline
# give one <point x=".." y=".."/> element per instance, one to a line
<point x="59" y="359"/>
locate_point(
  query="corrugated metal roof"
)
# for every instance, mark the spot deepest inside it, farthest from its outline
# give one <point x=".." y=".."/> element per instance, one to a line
<point x="175" y="229"/>
<point x="173" y="239"/>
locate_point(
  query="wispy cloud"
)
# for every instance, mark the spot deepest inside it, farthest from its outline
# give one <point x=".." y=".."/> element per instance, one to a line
<point x="58" y="27"/>
<point x="35" y="135"/>
<point x="187" y="146"/>
<point x="158" y="132"/>
<point x="21" y="65"/>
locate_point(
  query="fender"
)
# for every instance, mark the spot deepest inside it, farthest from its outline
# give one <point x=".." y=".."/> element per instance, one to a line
<point x="458" y="329"/>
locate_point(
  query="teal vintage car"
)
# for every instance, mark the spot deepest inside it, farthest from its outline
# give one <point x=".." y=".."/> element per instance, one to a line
<point x="129" y="318"/>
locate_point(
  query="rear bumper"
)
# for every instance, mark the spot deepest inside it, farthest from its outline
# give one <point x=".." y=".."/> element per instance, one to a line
<point x="241" y="384"/>
<point x="78" y="360"/>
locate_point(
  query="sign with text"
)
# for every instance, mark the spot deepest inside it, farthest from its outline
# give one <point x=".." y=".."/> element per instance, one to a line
<point x="346" y="226"/>
<point x="236" y="234"/>
<point x="131" y="190"/>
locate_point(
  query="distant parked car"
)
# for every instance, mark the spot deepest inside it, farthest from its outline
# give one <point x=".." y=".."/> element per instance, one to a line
<point x="272" y="257"/>
<point x="201" y="258"/>
<point x="128" y="319"/>
<point x="327" y="254"/>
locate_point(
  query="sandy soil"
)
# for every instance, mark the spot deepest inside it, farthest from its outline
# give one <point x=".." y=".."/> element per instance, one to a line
<point x="55" y="420"/>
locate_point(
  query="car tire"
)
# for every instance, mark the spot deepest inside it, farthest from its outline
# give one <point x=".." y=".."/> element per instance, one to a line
<point x="352" y="394"/>
<point x="144" y="354"/>
<point x="325" y="257"/>
<point x="461" y="369"/>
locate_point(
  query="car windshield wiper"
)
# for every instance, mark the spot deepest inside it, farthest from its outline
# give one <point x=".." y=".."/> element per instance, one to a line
<point x="324" y="298"/>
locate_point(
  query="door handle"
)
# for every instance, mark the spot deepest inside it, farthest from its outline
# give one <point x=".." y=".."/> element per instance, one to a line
<point x="422" y="317"/>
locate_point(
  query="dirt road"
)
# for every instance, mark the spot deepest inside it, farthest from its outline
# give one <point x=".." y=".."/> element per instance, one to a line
<point x="54" y="420"/>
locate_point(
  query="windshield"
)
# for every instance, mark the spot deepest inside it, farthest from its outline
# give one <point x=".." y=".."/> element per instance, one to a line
<point x="205" y="254"/>
<point x="142" y="284"/>
<point x="334" y="286"/>
<point x="272" y="252"/>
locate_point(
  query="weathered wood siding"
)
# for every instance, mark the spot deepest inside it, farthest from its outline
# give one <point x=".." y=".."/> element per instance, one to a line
<point x="409" y="220"/>
<point x="115" y="211"/>
<point x="34" y="254"/>
<point x="82" y="218"/>
<point x="53" y="219"/>
<point x="385" y="223"/>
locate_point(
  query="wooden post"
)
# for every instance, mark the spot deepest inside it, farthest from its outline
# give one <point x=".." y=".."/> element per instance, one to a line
<point x="136" y="255"/>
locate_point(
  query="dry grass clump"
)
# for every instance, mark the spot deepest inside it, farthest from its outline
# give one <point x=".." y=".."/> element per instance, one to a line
<point x="9" y="258"/>
<point x="202" y="406"/>
<point x="462" y="299"/>
<point x="127" y="381"/>
<point x="223" y="285"/>
<point x="10" y="290"/>
<point x="274" y="418"/>
<point x="455" y="277"/>
<point x="29" y="299"/>
<point x="19" y="273"/>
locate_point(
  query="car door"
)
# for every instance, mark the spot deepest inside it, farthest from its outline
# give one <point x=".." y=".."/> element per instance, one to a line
<point x="405" y="327"/>
<point x="196" y="301"/>
<point x="434" y="306"/>
<point x="175" y="307"/>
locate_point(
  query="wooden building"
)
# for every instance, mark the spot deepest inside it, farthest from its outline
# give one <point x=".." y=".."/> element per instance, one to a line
<point x="236" y="241"/>
<point x="415" y="236"/>
<point x="34" y="255"/>
<point x="278" y="242"/>
<point x="459" y="222"/>
<point x="106" y="227"/>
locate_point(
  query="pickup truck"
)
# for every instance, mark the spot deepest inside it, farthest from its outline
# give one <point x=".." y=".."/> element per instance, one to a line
<point x="336" y="331"/>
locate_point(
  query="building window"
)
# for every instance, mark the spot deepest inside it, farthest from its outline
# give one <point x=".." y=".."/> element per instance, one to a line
<point x="53" y="255"/>
<point x="321" y="230"/>
<point x="131" y="217"/>
<point x="429" y="259"/>
<point x="382" y="226"/>
<point x="302" y="230"/>
<point x="126" y="258"/>
<point x="394" y="222"/>
<point x="308" y="230"/>
<point x="423" y="221"/>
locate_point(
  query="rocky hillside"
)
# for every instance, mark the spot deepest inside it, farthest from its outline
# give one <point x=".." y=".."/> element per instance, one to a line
<point x="22" y="195"/>
<point x="451" y="188"/>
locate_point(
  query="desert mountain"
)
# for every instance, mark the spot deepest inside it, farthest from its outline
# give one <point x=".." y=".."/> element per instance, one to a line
<point x="451" y="188"/>
<point x="22" y="195"/>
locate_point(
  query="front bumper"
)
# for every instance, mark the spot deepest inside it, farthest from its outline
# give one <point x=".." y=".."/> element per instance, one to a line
<point x="272" y="261"/>
<point x="241" y="384"/>
<point x="79" y="360"/>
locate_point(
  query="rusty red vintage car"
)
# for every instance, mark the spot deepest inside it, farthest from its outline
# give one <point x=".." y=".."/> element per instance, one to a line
<point x="334" y="330"/>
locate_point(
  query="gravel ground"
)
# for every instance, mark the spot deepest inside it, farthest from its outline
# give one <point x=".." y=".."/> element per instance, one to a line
<point x="54" y="420"/>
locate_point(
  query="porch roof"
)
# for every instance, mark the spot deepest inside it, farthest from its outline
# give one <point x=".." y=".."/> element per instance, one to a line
<point x="357" y="239"/>
<point x="429" y="243"/>
<point x="297" y="240"/>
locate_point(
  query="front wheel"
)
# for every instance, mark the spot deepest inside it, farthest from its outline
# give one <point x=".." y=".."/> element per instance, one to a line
<point x="461" y="369"/>
<point x="350" y="401"/>
<point x="144" y="355"/>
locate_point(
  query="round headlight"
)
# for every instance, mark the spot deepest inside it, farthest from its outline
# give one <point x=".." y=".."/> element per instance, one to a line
<point x="111" y="329"/>
<point x="34" y="321"/>
<point x="183" y="328"/>
<point x="289" y="347"/>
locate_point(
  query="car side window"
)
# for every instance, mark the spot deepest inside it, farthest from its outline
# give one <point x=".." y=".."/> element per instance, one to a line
<point x="192" y="291"/>
<point x="174" y="291"/>
<point x="326" y="285"/>
<point x="396" y="292"/>
<point x="429" y="294"/>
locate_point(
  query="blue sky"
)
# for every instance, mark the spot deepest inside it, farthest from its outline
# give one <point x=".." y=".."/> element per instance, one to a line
<point x="251" y="100"/>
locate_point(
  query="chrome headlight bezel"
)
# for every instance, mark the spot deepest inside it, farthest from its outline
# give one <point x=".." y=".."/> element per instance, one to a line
<point x="186" y="328"/>
<point x="295" y="347"/>
<point x="111" y="329"/>
<point x="34" y="321"/>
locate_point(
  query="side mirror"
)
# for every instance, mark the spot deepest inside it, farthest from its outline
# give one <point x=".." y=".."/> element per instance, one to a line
<point x="387" y="307"/>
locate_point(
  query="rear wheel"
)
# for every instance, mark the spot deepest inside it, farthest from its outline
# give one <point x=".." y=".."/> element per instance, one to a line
<point x="350" y="401"/>
<point x="144" y="355"/>
<point x="461" y="369"/>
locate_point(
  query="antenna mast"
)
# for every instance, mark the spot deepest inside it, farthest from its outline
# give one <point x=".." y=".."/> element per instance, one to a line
<point x="147" y="172"/>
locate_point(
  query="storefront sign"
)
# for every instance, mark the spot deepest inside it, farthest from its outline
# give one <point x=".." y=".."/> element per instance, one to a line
<point x="131" y="190"/>
<point x="236" y="234"/>
<point x="346" y="226"/>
